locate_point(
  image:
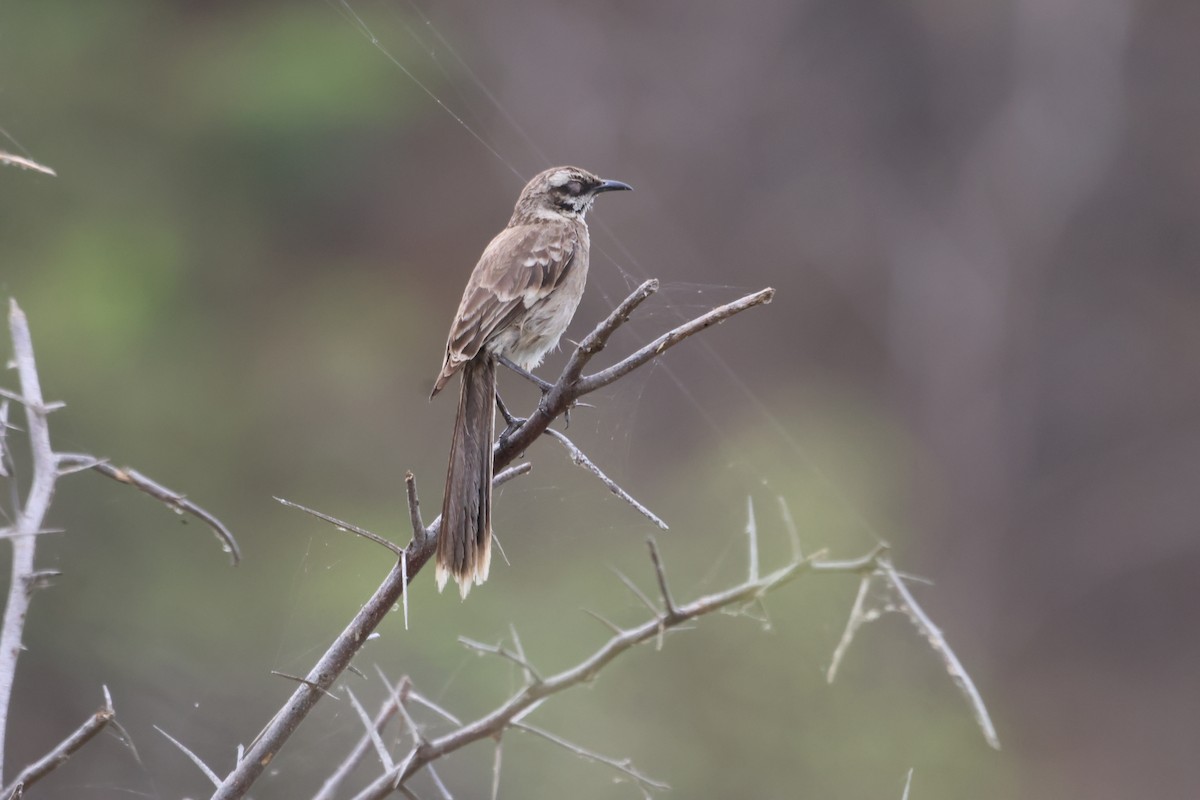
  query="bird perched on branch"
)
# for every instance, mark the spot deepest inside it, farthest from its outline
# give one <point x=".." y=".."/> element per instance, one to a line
<point x="519" y="300"/>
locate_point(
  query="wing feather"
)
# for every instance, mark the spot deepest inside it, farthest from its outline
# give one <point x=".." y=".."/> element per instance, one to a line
<point x="518" y="268"/>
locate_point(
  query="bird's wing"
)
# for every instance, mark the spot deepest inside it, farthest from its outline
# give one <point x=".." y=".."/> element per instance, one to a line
<point x="517" y="269"/>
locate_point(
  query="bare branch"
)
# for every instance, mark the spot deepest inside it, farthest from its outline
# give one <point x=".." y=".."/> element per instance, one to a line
<point x="63" y="750"/>
<point x="940" y="646"/>
<point x="29" y="518"/>
<point x="907" y="784"/>
<point x="582" y="460"/>
<point x="595" y="341"/>
<point x="175" y="500"/>
<point x="569" y="387"/>
<point x="507" y="475"/>
<point x="671" y="338"/>
<point x="553" y="404"/>
<point x="493" y="723"/>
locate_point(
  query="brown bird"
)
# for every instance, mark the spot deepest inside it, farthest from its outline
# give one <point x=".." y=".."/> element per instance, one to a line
<point x="519" y="300"/>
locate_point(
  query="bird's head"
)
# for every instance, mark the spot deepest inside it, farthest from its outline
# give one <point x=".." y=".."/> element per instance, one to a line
<point x="562" y="191"/>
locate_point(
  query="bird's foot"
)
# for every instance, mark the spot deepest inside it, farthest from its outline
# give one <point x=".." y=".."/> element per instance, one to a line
<point x="511" y="423"/>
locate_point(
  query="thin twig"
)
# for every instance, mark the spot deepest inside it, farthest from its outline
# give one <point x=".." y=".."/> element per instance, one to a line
<point x="660" y="573"/>
<point x="342" y="525"/>
<point x="24" y="163"/>
<point x="752" y="536"/>
<point x="789" y="524"/>
<point x="940" y="646"/>
<point x="175" y="500"/>
<point x="414" y="508"/>
<point x="437" y="781"/>
<point x="907" y="784"/>
<point x="671" y="338"/>
<point x="637" y="592"/>
<point x="595" y="341"/>
<point x="579" y="458"/>
<point x="514" y="471"/>
<point x="381" y="751"/>
<point x="858" y="616"/>
<point x="622" y="766"/>
<point x="305" y="681"/>
<point x="57" y="756"/>
<point x="612" y="626"/>
<point x="195" y="759"/>
<point x="421" y="699"/>
<point x="410" y="723"/>
<point x="329" y="788"/>
<point x="531" y="674"/>
<point x="503" y="652"/>
<point x="497" y="757"/>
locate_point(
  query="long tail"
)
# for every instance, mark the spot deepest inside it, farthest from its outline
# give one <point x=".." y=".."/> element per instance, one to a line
<point x="464" y="547"/>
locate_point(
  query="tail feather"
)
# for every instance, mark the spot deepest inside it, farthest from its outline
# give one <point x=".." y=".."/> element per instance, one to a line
<point x="464" y="548"/>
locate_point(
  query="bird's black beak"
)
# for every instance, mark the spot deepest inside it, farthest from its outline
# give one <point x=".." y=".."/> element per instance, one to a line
<point x="612" y="186"/>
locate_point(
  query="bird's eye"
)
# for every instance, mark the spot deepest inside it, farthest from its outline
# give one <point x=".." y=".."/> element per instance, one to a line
<point x="574" y="188"/>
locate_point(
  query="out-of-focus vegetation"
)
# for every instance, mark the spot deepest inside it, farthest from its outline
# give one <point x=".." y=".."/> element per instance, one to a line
<point x="981" y="223"/>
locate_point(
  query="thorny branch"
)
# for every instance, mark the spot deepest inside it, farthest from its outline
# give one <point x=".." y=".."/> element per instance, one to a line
<point x="39" y="769"/>
<point x="536" y="689"/>
<point x="566" y="391"/>
<point x="28" y="514"/>
<point x="905" y="603"/>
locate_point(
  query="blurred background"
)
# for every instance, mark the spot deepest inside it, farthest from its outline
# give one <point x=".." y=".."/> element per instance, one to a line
<point x="981" y="222"/>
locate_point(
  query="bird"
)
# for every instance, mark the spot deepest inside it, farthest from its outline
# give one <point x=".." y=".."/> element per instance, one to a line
<point x="518" y="301"/>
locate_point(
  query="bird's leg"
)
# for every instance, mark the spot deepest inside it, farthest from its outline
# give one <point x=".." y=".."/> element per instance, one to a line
<point x="545" y="387"/>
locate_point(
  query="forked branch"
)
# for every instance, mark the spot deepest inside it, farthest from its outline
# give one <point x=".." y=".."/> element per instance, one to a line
<point x="562" y="395"/>
<point x="28" y="514"/>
